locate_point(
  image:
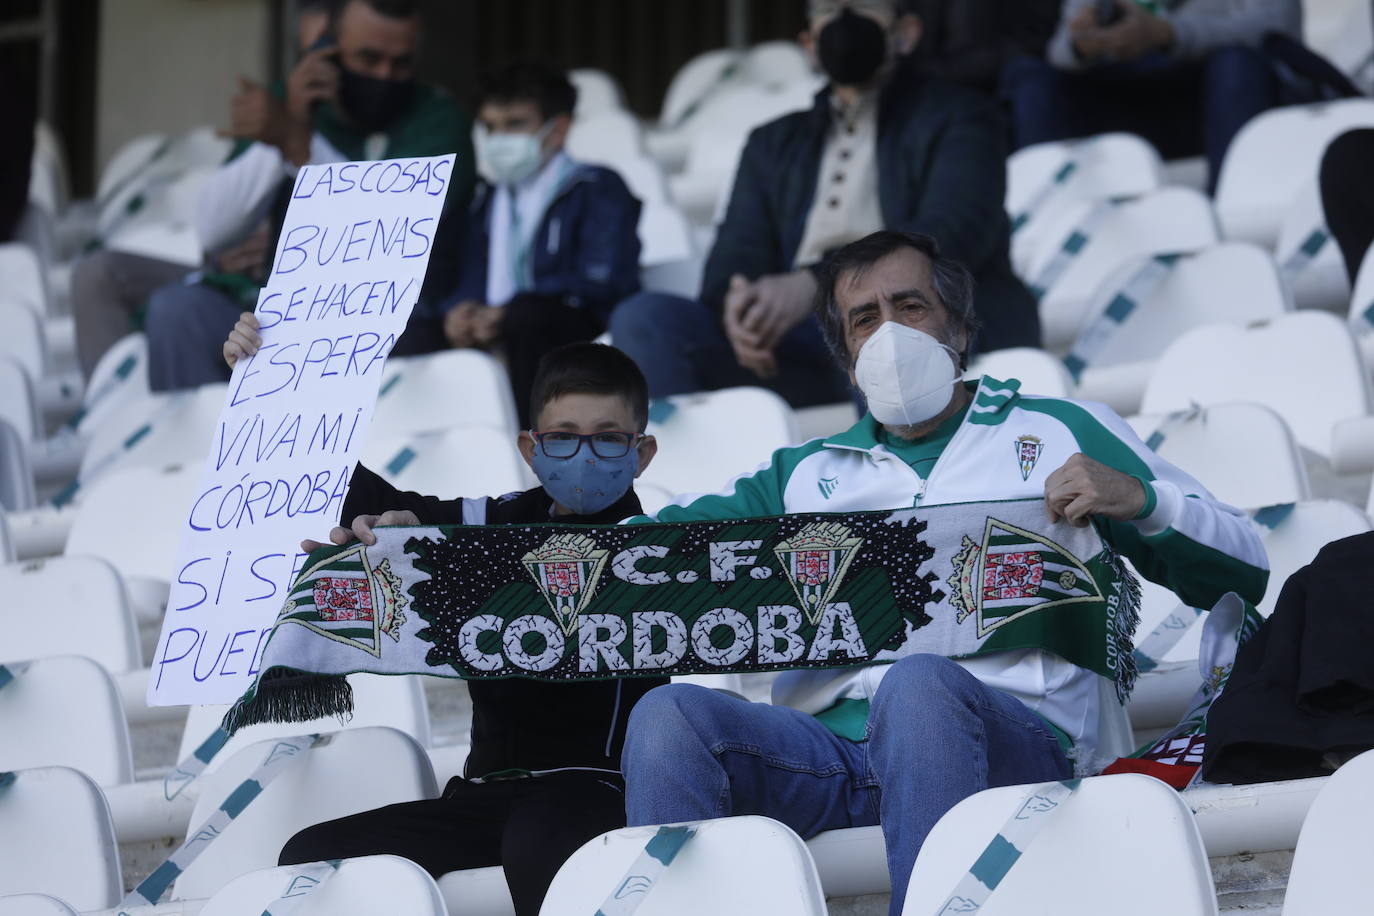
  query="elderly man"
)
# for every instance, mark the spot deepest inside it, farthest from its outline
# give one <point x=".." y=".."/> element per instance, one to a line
<point x="884" y="147"/>
<point x="354" y="97"/>
<point x="900" y="744"/>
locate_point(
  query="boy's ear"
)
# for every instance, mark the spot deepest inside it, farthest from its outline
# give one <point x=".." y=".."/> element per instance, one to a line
<point x="558" y="133"/>
<point x="648" y="448"/>
<point x="525" y="443"/>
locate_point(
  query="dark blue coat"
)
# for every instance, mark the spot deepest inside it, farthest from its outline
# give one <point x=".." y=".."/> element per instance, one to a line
<point x="586" y="249"/>
<point x="942" y="162"/>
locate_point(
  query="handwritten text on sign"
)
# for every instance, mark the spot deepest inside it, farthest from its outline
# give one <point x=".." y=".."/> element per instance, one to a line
<point x="348" y="268"/>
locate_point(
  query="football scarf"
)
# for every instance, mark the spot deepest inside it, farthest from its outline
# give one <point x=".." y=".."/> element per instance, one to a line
<point x="577" y="602"/>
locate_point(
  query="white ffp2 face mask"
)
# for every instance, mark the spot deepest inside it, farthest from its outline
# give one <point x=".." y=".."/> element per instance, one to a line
<point x="511" y="158"/>
<point x="907" y="376"/>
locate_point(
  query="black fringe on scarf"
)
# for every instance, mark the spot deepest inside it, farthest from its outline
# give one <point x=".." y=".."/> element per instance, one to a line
<point x="288" y="695"/>
<point x="1122" y="623"/>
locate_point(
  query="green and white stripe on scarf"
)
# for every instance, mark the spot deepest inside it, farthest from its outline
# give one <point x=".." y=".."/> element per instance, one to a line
<point x="558" y="602"/>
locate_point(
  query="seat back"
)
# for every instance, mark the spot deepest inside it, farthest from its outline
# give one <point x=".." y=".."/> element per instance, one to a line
<point x="1331" y="863"/>
<point x="1273" y="157"/>
<point x="694" y="80"/>
<point x="440" y="390"/>
<point x="1165" y="221"/>
<point x="1243" y="453"/>
<point x="694" y="456"/>
<point x="776" y="65"/>
<point x="466" y="461"/>
<point x="1305" y="366"/>
<point x="1086" y="859"/>
<point x="389" y="701"/>
<point x="179" y="427"/>
<point x="1362" y="304"/>
<point x="47" y="809"/>
<point x="18" y="407"/>
<point x="68" y="605"/>
<point x="1043" y="178"/>
<point x="65" y="711"/>
<point x="120" y="376"/>
<point x="16" y="471"/>
<point x="1037" y="371"/>
<point x="21" y="277"/>
<point x="358" y="887"/>
<point x="35" y="905"/>
<point x="134" y="518"/>
<point x="357" y="770"/>
<point x="733" y="865"/>
<point x="1313" y="268"/>
<point x="597" y="92"/>
<point x="23" y="338"/>
<point x="1231" y="283"/>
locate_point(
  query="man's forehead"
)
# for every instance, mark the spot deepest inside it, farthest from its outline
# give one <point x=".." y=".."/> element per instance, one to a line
<point x="903" y="269"/>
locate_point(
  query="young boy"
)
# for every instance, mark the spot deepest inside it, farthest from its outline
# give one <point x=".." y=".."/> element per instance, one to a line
<point x="551" y="245"/>
<point x="543" y="774"/>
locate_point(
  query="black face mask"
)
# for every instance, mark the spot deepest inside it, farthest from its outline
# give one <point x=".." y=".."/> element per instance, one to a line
<point x="852" y="48"/>
<point x="372" y="102"/>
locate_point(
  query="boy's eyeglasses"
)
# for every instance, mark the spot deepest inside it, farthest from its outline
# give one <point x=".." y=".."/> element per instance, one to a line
<point x="606" y="444"/>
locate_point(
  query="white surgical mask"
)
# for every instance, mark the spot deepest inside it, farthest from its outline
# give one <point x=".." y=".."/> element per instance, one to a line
<point x="511" y="158"/>
<point x="907" y="376"/>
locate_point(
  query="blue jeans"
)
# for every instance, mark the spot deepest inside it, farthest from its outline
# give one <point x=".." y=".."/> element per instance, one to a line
<point x="1183" y="107"/>
<point x="681" y="347"/>
<point x="187" y="324"/>
<point x="936" y="735"/>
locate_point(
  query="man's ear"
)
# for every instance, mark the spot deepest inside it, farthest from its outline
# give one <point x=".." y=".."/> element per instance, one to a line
<point x="525" y="443"/>
<point x="908" y="32"/>
<point x="558" y="133"/>
<point x="648" y="448"/>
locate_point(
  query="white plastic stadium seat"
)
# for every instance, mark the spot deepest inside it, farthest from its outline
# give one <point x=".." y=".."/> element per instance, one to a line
<point x="65" y="711"/>
<point x="1169" y="220"/>
<point x="68" y="604"/>
<point x="1331" y="871"/>
<point x="439" y="390"/>
<point x="1085" y="860"/>
<point x="148" y="508"/>
<point x="1362" y="306"/>
<point x="356" y="771"/>
<point x="48" y="809"/>
<point x="1244" y="454"/>
<point x="776" y="65"/>
<point x="477" y="890"/>
<point x="597" y="92"/>
<point x="1037" y="371"/>
<point x="21" y="277"/>
<point x="733" y="865"/>
<point x="160" y="429"/>
<point x="692" y="455"/>
<point x="388" y="701"/>
<point x="1305" y="366"/>
<point x="1276" y="155"/>
<point x="120" y="376"/>
<point x="694" y="80"/>
<point x="23" y="338"/>
<point x="164" y="226"/>
<point x="16" y="471"/>
<point x="605" y="137"/>
<point x="35" y="905"/>
<point x="1103" y="166"/>
<point x="6" y="543"/>
<point x="1321" y="282"/>
<point x="132" y="156"/>
<point x="359" y="887"/>
<point x="17" y="404"/>
<point x="463" y="461"/>
<point x="1231" y="283"/>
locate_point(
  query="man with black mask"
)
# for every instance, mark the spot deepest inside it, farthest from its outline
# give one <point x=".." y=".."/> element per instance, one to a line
<point x="352" y="96"/>
<point x="883" y="148"/>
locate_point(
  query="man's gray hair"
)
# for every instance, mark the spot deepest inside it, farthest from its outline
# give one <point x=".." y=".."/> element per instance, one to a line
<point x="953" y="284"/>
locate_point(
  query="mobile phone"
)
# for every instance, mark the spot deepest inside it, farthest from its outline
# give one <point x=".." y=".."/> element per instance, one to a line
<point x="1106" y="12"/>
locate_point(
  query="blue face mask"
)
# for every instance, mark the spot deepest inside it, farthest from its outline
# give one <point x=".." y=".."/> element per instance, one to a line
<point x="585" y="483"/>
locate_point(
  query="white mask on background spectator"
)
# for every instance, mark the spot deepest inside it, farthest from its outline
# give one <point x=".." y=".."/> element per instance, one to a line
<point x="511" y="158"/>
<point x="906" y="375"/>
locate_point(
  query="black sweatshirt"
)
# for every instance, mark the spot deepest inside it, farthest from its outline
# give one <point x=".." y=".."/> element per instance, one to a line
<point x="518" y="723"/>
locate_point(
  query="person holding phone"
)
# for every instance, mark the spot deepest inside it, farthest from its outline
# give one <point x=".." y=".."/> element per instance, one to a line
<point x="353" y="96"/>
<point x="1184" y="74"/>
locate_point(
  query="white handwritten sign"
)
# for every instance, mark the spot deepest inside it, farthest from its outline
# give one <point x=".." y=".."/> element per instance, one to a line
<point x="348" y="268"/>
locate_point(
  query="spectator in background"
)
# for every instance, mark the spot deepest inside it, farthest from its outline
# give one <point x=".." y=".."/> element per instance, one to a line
<point x="110" y="288"/>
<point x="551" y="245"/>
<point x="884" y="147"/>
<point x="1184" y="74"/>
<point x="969" y="41"/>
<point x="354" y="98"/>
